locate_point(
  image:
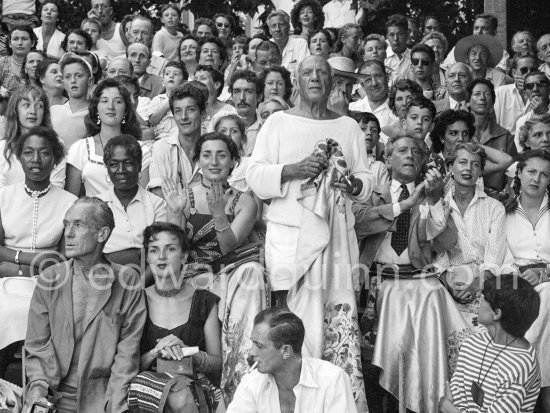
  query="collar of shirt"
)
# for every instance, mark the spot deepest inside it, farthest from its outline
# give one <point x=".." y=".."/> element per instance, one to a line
<point x="449" y="198"/>
<point x="255" y="126"/>
<point x="493" y="131"/>
<point x="112" y="198"/>
<point x="542" y="209"/>
<point x="453" y="103"/>
<point x="390" y="53"/>
<point x="173" y="139"/>
<point x="307" y="377"/>
<point x="395" y="187"/>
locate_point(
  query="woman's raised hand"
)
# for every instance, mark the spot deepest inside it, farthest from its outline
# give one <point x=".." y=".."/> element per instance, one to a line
<point x="174" y="195"/>
<point x="216" y="199"/>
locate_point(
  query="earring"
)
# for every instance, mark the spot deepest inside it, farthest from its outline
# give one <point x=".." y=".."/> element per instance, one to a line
<point x="98" y="120"/>
<point x="124" y="120"/>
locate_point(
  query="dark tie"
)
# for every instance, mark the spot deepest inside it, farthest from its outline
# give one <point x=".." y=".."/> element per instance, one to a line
<point x="400" y="238"/>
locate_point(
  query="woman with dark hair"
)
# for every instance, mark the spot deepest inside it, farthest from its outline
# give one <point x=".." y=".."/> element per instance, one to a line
<point x="348" y="43"/>
<point x="307" y="17"/>
<point x="179" y="316"/>
<point x="438" y="43"/>
<point x="457" y="126"/>
<point x="480" y="223"/>
<point x="110" y="114"/>
<point x="27" y="108"/>
<point x="49" y="37"/>
<point x="211" y="51"/>
<point x="481" y="99"/>
<point x="320" y="43"/>
<point x="217" y="220"/>
<point x="30" y="64"/>
<point x="225" y="23"/>
<point x="275" y="81"/>
<point x="527" y="222"/>
<point x="497" y="369"/>
<point x="188" y="47"/>
<point x="49" y="76"/>
<point x="133" y="207"/>
<point x="77" y="40"/>
<point x="31" y="227"/>
<point x="21" y="39"/>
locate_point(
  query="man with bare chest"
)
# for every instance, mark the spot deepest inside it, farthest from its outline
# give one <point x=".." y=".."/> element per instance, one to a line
<point x="286" y="382"/>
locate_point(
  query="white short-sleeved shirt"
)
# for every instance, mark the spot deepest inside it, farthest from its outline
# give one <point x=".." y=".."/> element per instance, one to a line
<point x="145" y="209"/>
<point x="167" y="44"/>
<point x="12" y="172"/>
<point x="83" y="157"/>
<point x="16" y="210"/>
<point x="69" y="125"/>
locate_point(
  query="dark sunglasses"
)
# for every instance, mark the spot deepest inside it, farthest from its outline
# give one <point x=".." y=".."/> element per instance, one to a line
<point x="227" y="26"/>
<point x="531" y="86"/>
<point x="423" y="62"/>
<point x="525" y="70"/>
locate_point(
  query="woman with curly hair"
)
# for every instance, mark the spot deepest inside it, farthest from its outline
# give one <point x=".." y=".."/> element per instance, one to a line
<point x="111" y="114"/>
<point x="275" y="81"/>
<point x="307" y="17"/>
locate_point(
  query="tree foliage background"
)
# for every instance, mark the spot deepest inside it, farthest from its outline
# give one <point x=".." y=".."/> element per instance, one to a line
<point x="455" y="15"/>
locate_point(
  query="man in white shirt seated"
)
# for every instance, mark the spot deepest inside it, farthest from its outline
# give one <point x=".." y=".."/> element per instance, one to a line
<point x="285" y="381"/>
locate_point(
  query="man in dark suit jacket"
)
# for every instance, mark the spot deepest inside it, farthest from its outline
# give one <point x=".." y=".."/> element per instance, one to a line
<point x="400" y="228"/>
<point x="458" y="77"/>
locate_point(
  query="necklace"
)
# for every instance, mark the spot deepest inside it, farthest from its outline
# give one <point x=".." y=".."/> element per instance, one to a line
<point x="35" y="197"/>
<point x="168" y="293"/>
<point x="225" y="186"/>
<point x="478" y="395"/>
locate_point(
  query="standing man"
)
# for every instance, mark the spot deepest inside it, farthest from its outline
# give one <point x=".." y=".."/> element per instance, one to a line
<point x="285" y="381"/>
<point x="398" y="58"/>
<point x="293" y="49"/>
<point x="139" y="56"/>
<point x="245" y="91"/>
<point x="375" y="83"/>
<point x="68" y="119"/>
<point x="305" y="248"/>
<point x="339" y="12"/>
<point x="142" y="31"/>
<point x="458" y="78"/>
<point x="85" y="322"/>
<point x="112" y="42"/>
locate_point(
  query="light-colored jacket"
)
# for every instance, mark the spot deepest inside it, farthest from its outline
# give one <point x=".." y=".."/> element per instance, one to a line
<point x="109" y="354"/>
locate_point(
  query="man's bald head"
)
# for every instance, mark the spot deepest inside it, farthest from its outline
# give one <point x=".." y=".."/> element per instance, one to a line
<point x="459" y="76"/>
<point x="314" y="78"/>
<point x="316" y="60"/>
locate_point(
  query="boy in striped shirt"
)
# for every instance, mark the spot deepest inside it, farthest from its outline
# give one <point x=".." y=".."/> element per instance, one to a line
<point x="497" y="369"/>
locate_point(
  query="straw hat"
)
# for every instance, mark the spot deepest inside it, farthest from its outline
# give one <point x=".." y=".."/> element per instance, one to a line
<point x="344" y="66"/>
<point x="491" y="44"/>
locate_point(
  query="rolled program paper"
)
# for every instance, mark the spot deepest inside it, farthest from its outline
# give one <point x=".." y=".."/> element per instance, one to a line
<point x="189" y="351"/>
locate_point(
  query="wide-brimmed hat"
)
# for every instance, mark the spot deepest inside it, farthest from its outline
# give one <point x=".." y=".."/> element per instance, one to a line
<point x="491" y="44"/>
<point x="344" y="66"/>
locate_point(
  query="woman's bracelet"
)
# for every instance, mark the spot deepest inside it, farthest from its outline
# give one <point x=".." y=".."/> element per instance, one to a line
<point x="222" y="229"/>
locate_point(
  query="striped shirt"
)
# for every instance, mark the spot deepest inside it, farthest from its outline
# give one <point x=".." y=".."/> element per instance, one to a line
<point x="511" y="384"/>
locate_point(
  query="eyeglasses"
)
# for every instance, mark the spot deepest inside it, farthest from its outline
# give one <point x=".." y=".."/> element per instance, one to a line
<point x="220" y="25"/>
<point x="423" y="62"/>
<point x="531" y="86"/>
<point x="524" y="70"/>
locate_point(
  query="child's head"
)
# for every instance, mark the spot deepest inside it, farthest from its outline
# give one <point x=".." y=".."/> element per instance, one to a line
<point x="233" y="127"/>
<point x="418" y="117"/>
<point x="370" y="126"/>
<point x="510" y="301"/>
<point x="93" y="28"/>
<point x="173" y="75"/>
<point x="170" y="15"/>
<point x="271" y="105"/>
<point x="239" y="45"/>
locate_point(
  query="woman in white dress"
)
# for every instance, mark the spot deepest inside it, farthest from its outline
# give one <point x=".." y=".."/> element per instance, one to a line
<point x="49" y="37"/>
<point x="110" y="114"/>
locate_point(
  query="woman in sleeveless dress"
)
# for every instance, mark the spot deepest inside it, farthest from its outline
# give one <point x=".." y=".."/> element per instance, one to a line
<point x="217" y="220"/>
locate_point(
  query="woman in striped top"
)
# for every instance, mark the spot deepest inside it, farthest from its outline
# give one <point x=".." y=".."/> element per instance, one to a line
<point x="497" y="369"/>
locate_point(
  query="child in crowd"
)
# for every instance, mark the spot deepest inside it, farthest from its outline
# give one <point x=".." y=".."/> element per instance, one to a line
<point x="161" y="117"/>
<point x="370" y="126"/>
<point x="418" y="119"/>
<point x="497" y="368"/>
<point x="232" y="126"/>
<point x="167" y="39"/>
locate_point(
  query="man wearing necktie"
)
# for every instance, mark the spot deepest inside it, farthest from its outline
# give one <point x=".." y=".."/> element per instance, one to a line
<point x="458" y="77"/>
<point x="400" y="228"/>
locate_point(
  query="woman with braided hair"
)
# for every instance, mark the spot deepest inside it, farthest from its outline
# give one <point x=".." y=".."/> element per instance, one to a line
<point x="527" y="223"/>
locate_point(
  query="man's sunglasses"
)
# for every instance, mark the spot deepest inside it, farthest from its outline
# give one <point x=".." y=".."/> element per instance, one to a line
<point x="531" y="86"/>
<point x="220" y="25"/>
<point x="423" y="62"/>
<point x="525" y="70"/>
